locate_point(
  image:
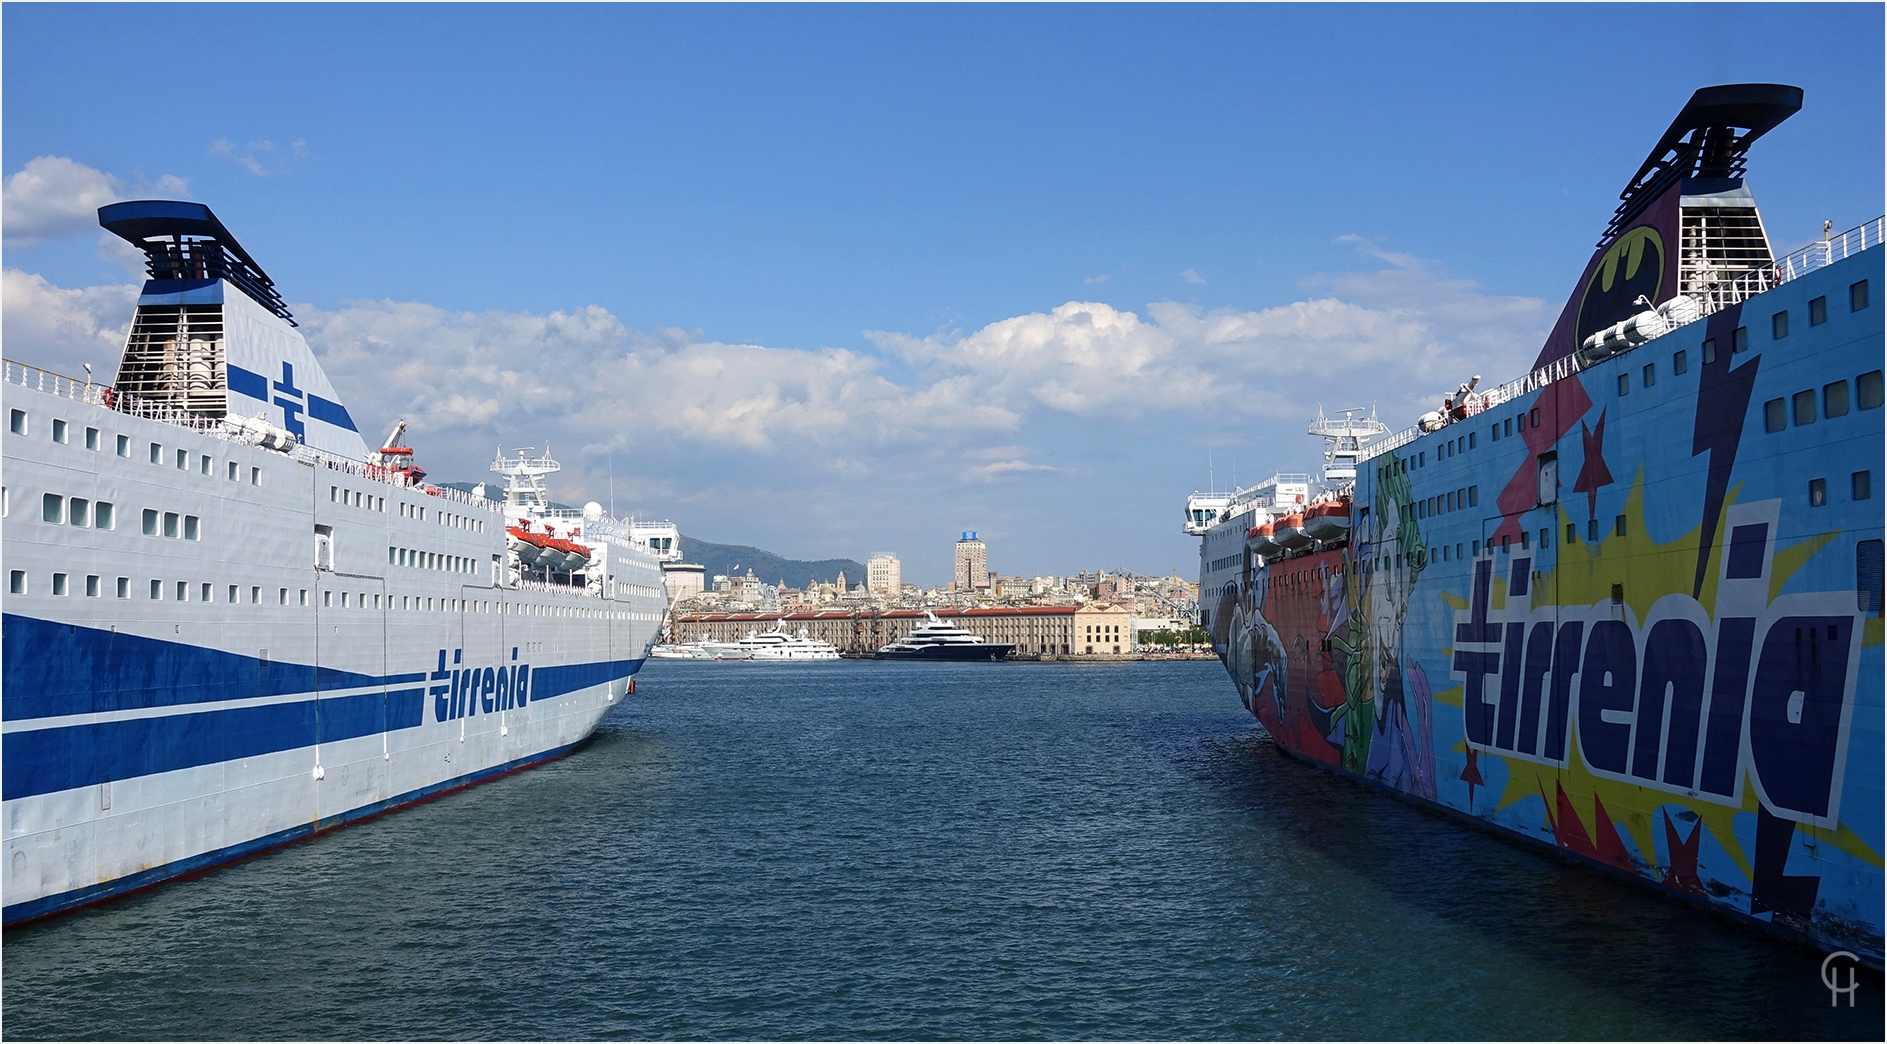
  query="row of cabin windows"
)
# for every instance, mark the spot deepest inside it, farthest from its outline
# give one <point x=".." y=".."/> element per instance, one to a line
<point x="355" y="498"/>
<point x="1800" y="407"/>
<point x="77" y="511"/>
<point x="371" y="502"/>
<point x="185" y="591"/>
<point x="205" y="464"/>
<point x="1739" y="340"/>
<point x="444" y="518"/>
<point x="415" y="559"/>
<point x="1443" y="503"/>
<point x="158" y="590"/>
<point x="1517" y="424"/>
<point x="1818" y="311"/>
<point x="458" y="521"/>
<point x="19" y="424"/>
<point x="1860" y="487"/>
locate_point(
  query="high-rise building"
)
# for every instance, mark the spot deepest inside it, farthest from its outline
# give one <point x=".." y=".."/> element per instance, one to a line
<point x="884" y="574"/>
<point x="972" y="564"/>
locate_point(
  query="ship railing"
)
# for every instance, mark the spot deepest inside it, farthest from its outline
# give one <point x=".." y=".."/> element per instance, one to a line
<point x="1793" y="265"/>
<point x="164" y="411"/>
<point x="375" y="473"/>
<point x="129" y="403"/>
<point x="582" y="590"/>
<point x="1481" y="402"/>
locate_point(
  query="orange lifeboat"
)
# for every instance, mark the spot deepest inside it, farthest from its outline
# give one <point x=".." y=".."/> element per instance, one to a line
<point x="1328" y="521"/>
<point x="1259" y="538"/>
<point x="1289" y="532"/>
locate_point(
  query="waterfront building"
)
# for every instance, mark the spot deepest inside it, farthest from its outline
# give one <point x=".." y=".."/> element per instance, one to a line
<point x="1103" y="628"/>
<point x="1035" y="630"/>
<point x="884" y="574"/>
<point x="683" y="580"/>
<point x="972" y="564"/>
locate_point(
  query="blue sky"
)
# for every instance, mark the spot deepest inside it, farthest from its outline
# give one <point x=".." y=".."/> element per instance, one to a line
<point x="839" y="279"/>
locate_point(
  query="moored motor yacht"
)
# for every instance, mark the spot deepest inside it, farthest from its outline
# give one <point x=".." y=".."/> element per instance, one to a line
<point x="777" y="645"/>
<point x="936" y="640"/>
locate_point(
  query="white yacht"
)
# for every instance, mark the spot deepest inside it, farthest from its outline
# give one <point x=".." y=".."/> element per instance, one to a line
<point x="935" y="640"/>
<point x="778" y="645"/>
<point x="689" y="651"/>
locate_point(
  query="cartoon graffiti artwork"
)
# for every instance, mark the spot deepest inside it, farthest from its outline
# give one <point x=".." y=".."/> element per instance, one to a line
<point x="1591" y="695"/>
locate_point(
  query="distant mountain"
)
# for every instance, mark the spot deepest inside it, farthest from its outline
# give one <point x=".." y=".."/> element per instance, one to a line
<point x="725" y="559"/>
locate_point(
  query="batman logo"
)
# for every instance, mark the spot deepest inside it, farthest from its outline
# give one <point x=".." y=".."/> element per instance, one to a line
<point x="1632" y="266"/>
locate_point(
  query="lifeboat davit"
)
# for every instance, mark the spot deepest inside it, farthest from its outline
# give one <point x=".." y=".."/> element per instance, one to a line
<point x="1328" y="521"/>
<point x="543" y="551"/>
<point x="1289" y="533"/>
<point x="525" y="546"/>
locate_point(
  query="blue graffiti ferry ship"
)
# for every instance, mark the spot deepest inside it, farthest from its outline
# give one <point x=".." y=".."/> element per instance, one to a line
<point x="1629" y="605"/>
<point x="229" y="624"/>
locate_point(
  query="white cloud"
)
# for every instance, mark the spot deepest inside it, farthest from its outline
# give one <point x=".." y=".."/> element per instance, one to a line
<point x="60" y="329"/>
<point x="1399" y="336"/>
<point x="585" y="374"/>
<point x="591" y="386"/>
<point x="123" y="254"/>
<point x="53" y="197"/>
<point x="1102" y="278"/>
<point x="1191" y="275"/>
<point x="1001" y="468"/>
<point x="262" y="158"/>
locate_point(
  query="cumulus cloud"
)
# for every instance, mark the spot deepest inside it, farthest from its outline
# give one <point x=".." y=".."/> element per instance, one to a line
<point x="1398" y="336"/>
<point x="262" y="158"/>
<point x="585" y="372"/>
<point x="1191" y="275"/>
<point x="53" y="197"/>
<point x="61" y="329"/>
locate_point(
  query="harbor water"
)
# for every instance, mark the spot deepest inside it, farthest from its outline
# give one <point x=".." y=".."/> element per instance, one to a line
<point x="889" y="850"/>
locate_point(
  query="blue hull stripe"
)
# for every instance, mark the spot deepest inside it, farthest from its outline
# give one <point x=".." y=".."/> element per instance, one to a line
<point x="43" y="761"/>
<point x="53" y="669"/>
<point x="194" y="864"/>
<point x="550" y="682"/>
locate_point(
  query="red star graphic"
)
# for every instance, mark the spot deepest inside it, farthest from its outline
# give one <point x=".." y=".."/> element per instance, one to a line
<point x="1593" y="473"/>
<point x="1472" y="774"/>
<point x="1560" y="405"/>
<point x="1682" y="874"/>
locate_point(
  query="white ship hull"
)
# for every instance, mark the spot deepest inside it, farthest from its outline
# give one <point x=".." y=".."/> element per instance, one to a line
<point x="171" y="703"/>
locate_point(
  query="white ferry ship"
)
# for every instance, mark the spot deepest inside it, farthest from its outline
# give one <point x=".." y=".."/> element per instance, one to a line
<point x="229" y="624"/>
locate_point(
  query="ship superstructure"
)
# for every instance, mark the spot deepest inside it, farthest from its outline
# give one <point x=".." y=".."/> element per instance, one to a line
<point x="229" y="625"/>
<point x="1629" y="605"/>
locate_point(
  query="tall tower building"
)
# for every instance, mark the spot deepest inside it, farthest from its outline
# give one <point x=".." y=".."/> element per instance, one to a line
<point x="972" y="564"/>
<point x="884" y="574"/>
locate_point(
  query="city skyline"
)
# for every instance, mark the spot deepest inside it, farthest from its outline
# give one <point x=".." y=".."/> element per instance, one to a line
<point x="1026" y="277"/>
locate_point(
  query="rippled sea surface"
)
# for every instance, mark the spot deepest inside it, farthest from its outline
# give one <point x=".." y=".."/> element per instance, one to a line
<point x="861" y="850"/>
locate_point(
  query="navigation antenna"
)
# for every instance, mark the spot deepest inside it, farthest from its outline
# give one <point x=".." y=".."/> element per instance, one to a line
<point x="524" y="474"/>
<point x="1346" y="434"/>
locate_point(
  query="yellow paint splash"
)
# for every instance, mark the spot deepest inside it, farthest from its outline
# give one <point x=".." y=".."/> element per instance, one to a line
<point x="1585" y="574"/>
